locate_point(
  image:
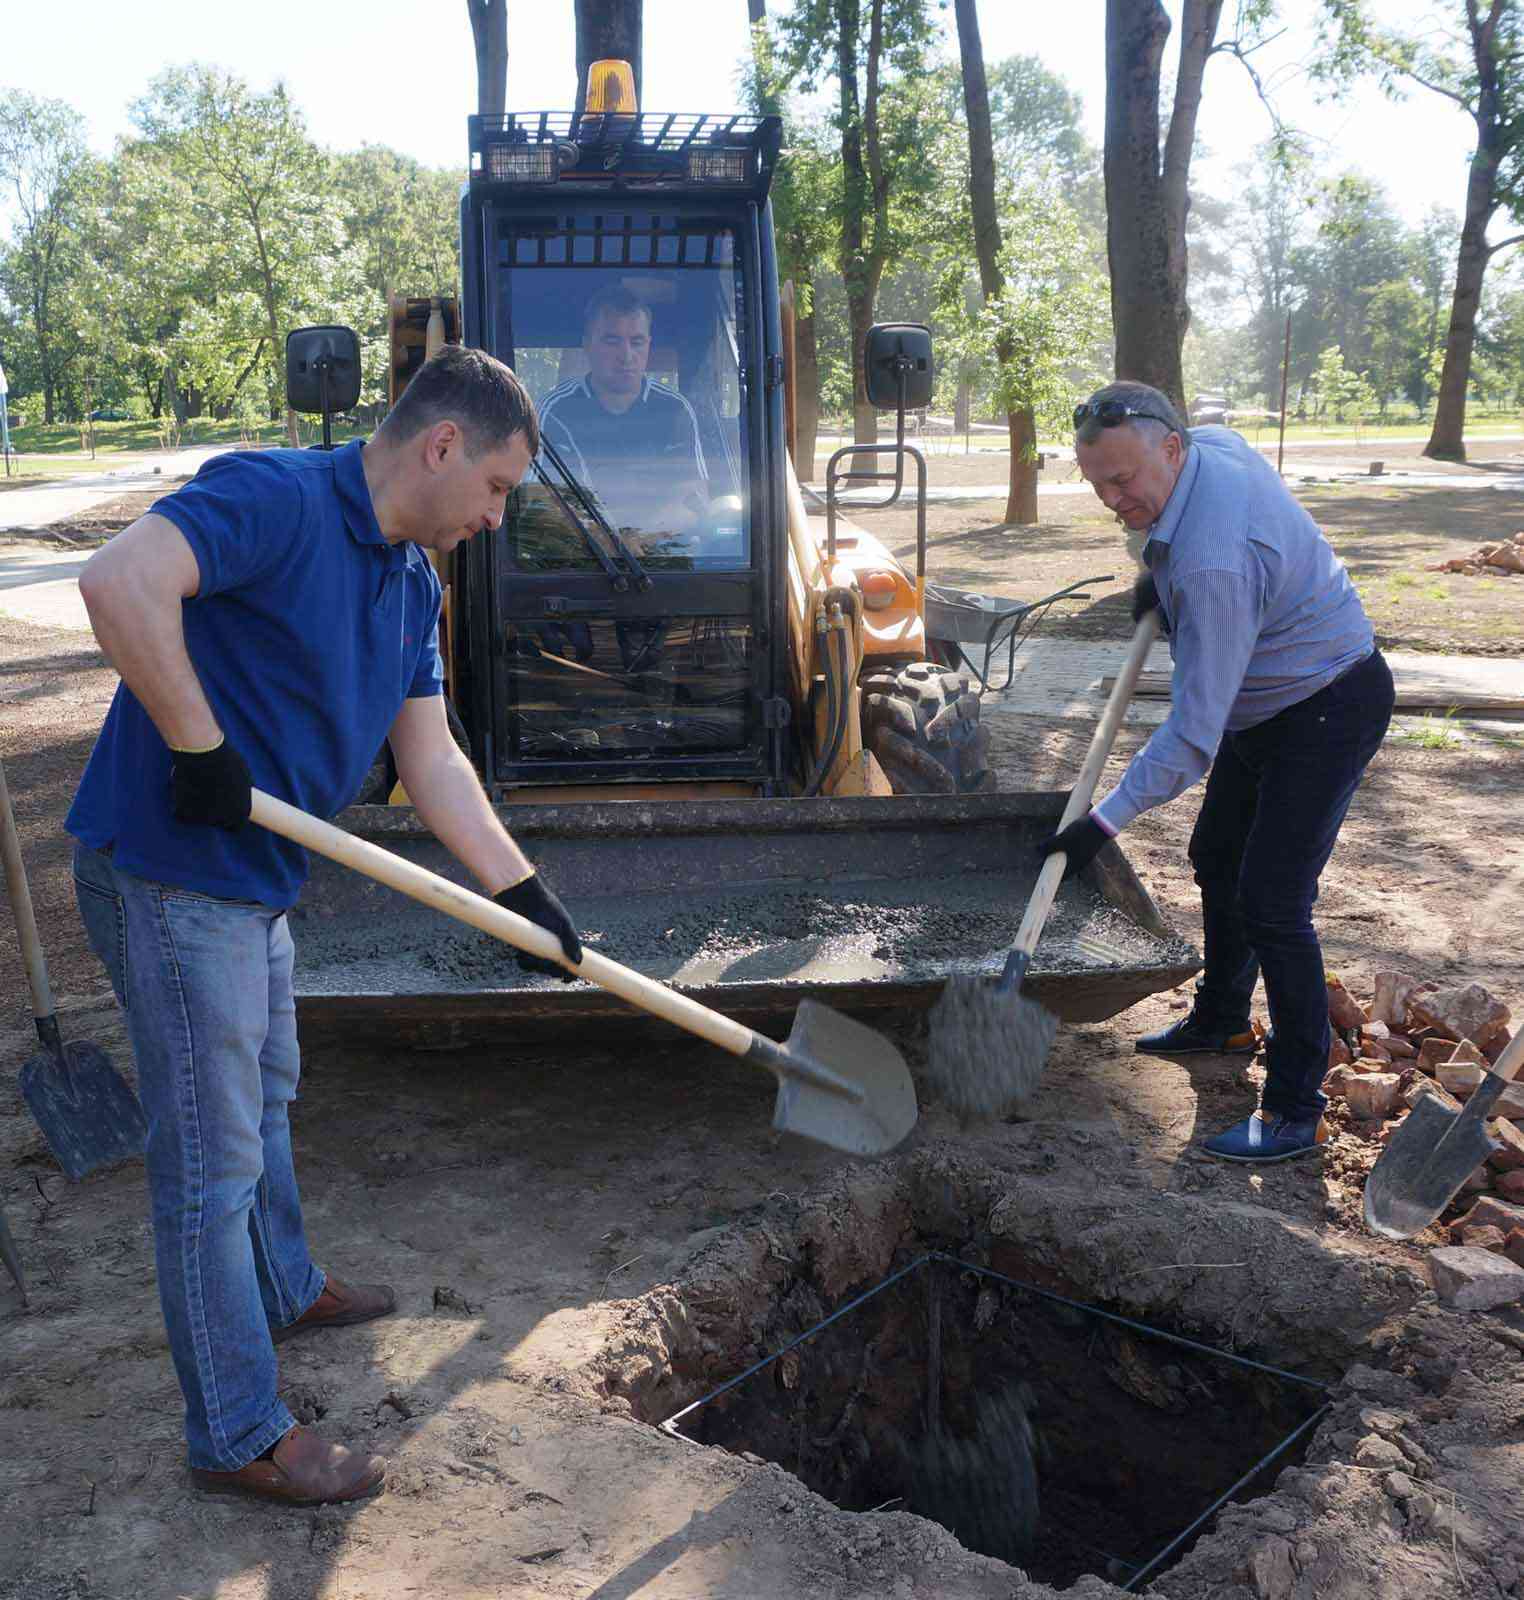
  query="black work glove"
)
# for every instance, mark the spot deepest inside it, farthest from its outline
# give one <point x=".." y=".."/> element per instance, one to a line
<point x="532" y="900"/>
<point x="1079" y="842"/>
<point x="211" y="788"/>
<point x="1145" y="597"/>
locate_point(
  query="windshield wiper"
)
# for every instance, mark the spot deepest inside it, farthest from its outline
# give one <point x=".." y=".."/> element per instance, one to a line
<point x="590" y="506"/>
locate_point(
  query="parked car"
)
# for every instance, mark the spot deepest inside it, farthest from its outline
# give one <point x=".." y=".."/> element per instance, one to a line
<point x="110" y="414"/>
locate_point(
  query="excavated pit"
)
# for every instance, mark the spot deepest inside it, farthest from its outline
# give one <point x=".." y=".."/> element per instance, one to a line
<point x="1051" y="1435"/>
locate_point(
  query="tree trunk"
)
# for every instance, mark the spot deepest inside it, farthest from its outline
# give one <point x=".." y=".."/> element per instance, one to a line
<point x="806" y="396"/>
<point x="1146" y="314"/>
<point x="861" y="295"/>
<point x="1021" y="496"/>
<point x="1021" y="425"/>
<point x="1447" y="435"/>
<point x="756" y="11"/>
<point x="963" y="404"/>
<point x="489" y="31"/>
<point x="607" y="30"/>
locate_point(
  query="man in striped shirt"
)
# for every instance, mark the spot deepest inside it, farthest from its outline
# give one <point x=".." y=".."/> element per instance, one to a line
<point x="1279" y="689"/>
<point x="631" y="441"/>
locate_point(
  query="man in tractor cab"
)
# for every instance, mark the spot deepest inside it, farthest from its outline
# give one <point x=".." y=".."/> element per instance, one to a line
<point x="273" y="621"/>
<point x="632" y="441"/>
<point x="1278" y="688"/>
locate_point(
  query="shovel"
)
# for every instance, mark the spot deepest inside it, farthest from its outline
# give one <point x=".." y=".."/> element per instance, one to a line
<point x="989" y="1042"/>
<point x="839" y="1083"/>
<point x="1433" y="1152"/>
<point x="85" y="1108"/>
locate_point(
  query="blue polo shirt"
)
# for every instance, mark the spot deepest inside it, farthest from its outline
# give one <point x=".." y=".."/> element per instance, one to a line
<point x="308" y="631"/>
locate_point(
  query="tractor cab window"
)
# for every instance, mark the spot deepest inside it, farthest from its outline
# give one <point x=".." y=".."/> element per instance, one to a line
<point x="626" y="331"/>
<point x="627" y="604"/>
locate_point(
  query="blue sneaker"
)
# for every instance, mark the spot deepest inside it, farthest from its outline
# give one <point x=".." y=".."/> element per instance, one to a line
<point x="1267" y="1136"/>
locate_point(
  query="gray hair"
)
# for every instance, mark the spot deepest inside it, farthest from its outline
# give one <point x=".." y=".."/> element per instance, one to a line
<point x="1159" y="411"/>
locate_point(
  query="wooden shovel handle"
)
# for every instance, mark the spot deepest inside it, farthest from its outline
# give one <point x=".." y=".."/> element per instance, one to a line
<point x="21" y="908"/>
<point x="1083" y="792"/>
<point x="429" y="889"/>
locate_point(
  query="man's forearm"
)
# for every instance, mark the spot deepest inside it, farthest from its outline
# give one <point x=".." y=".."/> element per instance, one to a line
<point x="450" y="800"/>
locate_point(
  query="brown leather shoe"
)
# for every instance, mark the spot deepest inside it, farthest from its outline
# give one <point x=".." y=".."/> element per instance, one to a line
<point x="340" y="1305"/>
<point x="304" y="1470"/>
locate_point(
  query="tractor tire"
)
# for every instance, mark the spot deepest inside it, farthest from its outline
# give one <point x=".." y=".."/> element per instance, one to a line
<point x="922" y="724"/>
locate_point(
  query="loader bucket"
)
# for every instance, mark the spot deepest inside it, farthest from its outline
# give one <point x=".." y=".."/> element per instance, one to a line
<point x="749" y="906"/>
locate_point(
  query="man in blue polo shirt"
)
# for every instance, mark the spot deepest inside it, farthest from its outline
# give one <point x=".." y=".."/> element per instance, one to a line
<point x="273" y="622"/>
<point x="634" y="443"/>
<point x="1279" y="688"/>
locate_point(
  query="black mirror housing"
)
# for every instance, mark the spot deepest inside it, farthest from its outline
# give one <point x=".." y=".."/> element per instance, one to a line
<point x="310" y="352"/>
<point x="892" y="350"/>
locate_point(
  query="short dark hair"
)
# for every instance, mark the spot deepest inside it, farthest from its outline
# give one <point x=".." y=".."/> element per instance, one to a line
<point x="614" y="300"/>
<point x="479" y="393"/>
<point x="1139" y="397"/>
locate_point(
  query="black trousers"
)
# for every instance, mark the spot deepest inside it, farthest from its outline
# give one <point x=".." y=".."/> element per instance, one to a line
<point x="1275" y="800"/>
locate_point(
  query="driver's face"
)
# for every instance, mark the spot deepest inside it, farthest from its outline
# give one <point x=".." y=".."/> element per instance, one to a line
<point x="618" y="350"/>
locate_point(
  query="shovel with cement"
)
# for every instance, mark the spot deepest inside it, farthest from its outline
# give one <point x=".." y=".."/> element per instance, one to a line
<point x="85" y="1108"/>
<point x="839" y="1083"/>
<point x="1433" y="1152"/>
<point x="988" y="1042"/>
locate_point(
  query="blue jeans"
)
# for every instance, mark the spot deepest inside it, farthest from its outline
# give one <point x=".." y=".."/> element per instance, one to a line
<point x="1275" y="800"/>
<point x="206" y="987"/>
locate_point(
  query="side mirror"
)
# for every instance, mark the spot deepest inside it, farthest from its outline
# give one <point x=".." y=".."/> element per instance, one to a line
<point x="896" y="353"/>
<point x="322" y="369"/>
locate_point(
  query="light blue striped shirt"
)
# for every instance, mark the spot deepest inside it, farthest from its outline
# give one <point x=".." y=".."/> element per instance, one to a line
<point x="1260" y="612"/>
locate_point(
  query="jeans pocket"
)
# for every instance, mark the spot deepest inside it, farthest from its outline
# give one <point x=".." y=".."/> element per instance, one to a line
<point x="106" y="930"/>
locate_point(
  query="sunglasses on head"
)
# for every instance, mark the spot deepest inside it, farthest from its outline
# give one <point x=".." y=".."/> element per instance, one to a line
<point x="1113" y="413"/>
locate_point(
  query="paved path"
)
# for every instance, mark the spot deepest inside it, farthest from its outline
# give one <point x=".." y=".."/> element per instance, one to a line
<point x="68" y="497"/>
<point x="1062" y="678"/>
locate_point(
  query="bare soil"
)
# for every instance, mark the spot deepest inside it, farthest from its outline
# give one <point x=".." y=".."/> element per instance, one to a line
<point x="1386" y="536"/>
<point x="588" y="1234"/>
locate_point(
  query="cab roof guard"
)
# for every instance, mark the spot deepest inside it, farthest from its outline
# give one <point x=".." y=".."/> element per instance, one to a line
<point x="733" y="154"/>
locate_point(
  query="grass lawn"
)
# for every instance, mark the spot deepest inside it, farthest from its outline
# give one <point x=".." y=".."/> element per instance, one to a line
<point x="54" y="451"/>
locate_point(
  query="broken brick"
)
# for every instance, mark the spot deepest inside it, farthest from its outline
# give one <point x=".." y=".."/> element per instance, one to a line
<point x="1475" y="1280"/>
<point x="1337" y="1078"/>
<point x="1460" y="1077"/>
<point x="1462" y="1011"/>
<point x="1491" y="1211"/>
<point x="1421" y="1086"/>
<point x="1509" y="1184"/>
<point x="1373" y="1095"/>
<point x="1509" y="1155"/>
<point x="1390" y="1001"/>
<point x="1339" y="1053"/>
<point x="1343" y="1010"/>
<point x="1483" y="1238"/>
<point x="1399" y="1048"/>
<point x="1513" y="1247"/>
<point x="1432" y="1051"/>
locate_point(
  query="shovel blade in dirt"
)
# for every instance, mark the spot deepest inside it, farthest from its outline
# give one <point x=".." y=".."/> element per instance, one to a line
<point x="1433" y="1152"/>
<point x="824" y="1046"/>
<point x="87" y="1112"/>
<point x="85" y="1108"/>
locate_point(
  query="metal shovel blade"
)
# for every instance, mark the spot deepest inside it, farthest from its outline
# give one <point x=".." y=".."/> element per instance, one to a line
<point x="1430" y="1156"/>
<point x="879" y="1109"/>
<point x="85" y="1108"/>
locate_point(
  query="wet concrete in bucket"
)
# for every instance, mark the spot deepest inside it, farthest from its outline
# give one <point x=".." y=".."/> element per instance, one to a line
<point x="921" y="927"/>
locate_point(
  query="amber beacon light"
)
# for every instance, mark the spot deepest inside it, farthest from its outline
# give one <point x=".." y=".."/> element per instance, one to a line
<point x="610" y="87"/>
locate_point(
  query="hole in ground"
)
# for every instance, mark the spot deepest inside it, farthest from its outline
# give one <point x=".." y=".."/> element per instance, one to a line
<point x="1039" y="1431"/>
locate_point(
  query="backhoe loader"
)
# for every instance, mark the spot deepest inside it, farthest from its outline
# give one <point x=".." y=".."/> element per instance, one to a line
<point x="701" y="698"/>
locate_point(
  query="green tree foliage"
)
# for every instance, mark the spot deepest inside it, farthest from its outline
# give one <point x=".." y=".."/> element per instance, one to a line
<point x="167" y="278"/>
<point x="47" y="168"/>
